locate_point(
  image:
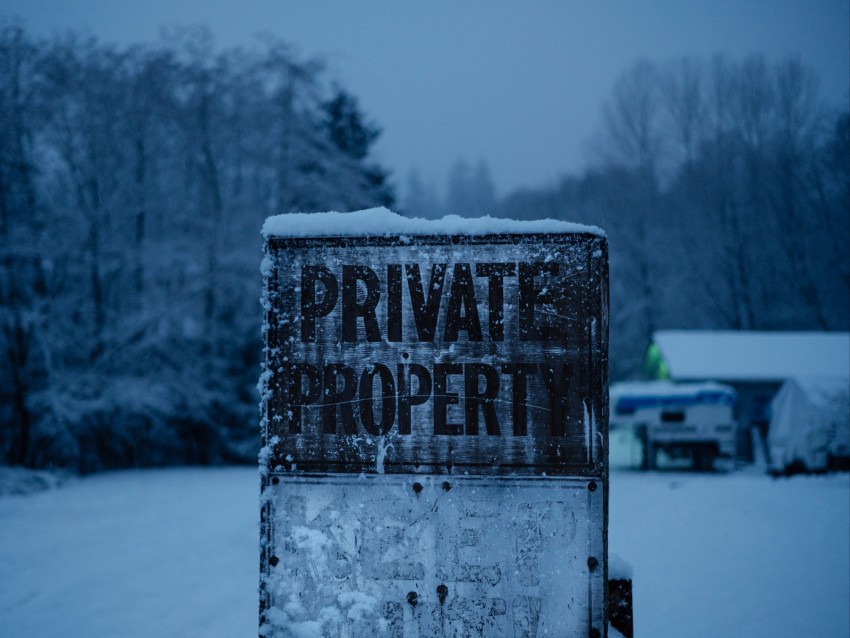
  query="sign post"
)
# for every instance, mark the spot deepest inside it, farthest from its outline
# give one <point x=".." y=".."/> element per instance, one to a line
<point x="434" y="416"/>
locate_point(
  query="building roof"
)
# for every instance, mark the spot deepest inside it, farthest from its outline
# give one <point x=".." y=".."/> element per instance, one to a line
<point x="753" y="356"/>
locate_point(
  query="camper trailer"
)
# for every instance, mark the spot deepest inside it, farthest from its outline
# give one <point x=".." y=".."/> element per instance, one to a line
<point x="692" y="421"/>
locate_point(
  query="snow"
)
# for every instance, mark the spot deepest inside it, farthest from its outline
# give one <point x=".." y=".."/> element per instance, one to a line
<point x="15" y="480"/>
<point x="165" y="554"/>
<point x="613" y="633"/>
<point x="359" y="605"/>
<point x="383" y="222"/>
<point x="619" y="568"/>
<point x="735" y="555"/>
<point x="173" y="553"/>
<point x="660" y="393"/>
<point x="811" y="419"/>
<point x="753" y="356"/>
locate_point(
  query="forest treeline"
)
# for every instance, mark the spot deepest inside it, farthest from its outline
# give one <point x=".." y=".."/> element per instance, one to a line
<point x="134" y="181"/>
<point x="724" y="187"/>
<point x="133" y="185"/>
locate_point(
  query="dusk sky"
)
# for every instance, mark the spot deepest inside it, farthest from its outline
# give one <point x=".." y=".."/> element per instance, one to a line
<point x="518" y="84"/>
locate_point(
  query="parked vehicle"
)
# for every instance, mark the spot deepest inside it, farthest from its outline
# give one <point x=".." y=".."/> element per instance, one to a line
<point x="689" y="420"/>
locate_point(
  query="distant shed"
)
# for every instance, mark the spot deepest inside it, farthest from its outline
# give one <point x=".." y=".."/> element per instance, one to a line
<point x="756" y="364"/>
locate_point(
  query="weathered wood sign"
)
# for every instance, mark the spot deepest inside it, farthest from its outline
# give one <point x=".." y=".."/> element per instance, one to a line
<point x="434" y="428"/>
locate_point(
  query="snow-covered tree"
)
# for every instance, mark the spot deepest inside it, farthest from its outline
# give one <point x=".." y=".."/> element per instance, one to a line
<point x="133" y="183"/>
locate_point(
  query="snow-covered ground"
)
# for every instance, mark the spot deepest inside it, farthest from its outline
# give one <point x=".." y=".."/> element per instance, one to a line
<point x="173" y="553"/>
<point x="735" y="554"/>
<point x="159" y="554"/>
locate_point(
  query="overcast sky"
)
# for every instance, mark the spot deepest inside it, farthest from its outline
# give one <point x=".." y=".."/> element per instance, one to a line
<point x="519" y="84"/>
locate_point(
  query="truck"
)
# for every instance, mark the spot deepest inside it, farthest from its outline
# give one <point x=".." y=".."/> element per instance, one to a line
<point x="693" y="421"/>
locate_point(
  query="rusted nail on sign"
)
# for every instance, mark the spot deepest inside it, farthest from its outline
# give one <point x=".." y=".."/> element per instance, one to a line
<point x="434" y="421"/>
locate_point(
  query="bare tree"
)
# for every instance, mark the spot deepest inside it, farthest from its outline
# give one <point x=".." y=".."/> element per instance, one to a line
<point x="725" y="190"/>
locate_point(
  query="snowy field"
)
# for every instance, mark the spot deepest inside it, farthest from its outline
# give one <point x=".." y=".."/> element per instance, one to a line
<point x="173" y="553"/>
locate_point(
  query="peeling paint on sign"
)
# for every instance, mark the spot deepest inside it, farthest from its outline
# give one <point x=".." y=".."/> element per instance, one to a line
<point x="465" y="557"/>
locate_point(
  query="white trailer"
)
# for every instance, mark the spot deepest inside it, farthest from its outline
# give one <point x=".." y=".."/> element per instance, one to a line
<point x="688" y="420"/>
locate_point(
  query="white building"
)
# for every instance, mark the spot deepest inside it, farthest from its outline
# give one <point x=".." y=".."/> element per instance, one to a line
<point x="756" y="364"/>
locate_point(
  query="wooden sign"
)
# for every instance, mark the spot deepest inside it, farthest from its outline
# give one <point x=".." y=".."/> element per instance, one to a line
<point x="434" y="428"/>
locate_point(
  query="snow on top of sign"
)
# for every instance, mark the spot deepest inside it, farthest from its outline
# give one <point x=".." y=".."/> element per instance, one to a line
<point x="750" y="355"/>
<point x="618" y="568"/>
<point x="381" y="221"/>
